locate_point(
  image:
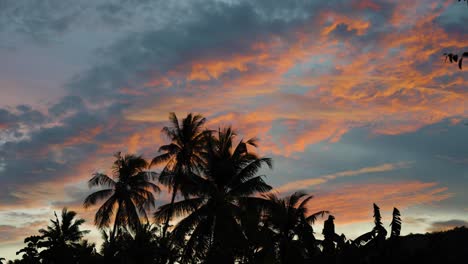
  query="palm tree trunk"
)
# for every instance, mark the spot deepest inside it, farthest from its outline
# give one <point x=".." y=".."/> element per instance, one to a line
<point x="171" y="209"/>
<point x="112" y="238"/>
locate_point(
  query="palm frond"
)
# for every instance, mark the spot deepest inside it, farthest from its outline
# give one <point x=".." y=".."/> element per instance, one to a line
<point x="313" y="217"/>
<point x="100" y="179"/>
<point x="93" y="198"/>
<point x="253" y="167"/>
<point x="105" y="212"/>
<point x="249" y="187"/>
<point x="364" y="238"/>
<point x="177" y="209"/>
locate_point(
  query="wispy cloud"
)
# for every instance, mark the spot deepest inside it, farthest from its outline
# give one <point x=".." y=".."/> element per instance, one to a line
<point x="353" y="202"/>
<point x="307" y="183"/>
<point x="447" y="225"/>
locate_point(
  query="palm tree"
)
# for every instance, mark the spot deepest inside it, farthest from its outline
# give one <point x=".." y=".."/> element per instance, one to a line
<point x="288" y="217"/>
<point x="229" y="178"/>
<point x="61" y="237"/>
<point x="259" y="244"/>
<point x="67" y="232"/>
<point x="182" y="156"/>
<point x="130" y="191"/>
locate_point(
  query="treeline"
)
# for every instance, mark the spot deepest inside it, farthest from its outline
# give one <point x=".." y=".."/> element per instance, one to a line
<point x="221" y="211"/>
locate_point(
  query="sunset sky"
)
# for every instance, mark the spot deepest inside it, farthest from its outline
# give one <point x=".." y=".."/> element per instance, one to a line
<point x="352" y="100"/>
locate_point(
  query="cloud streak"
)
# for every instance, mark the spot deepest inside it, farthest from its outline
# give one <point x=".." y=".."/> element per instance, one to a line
<point x="307" y="183"/>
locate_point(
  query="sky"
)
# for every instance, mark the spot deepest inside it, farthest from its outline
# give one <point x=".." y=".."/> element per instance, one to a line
<point x="351" y="99"/>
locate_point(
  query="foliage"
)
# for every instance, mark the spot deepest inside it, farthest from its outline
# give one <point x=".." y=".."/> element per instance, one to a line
<point x="454" y="58"/>
<point x="60" y="242"/>
<point x="396" y="223"/>
<point x="228" y="180"/>
<point x="182" y="156"/>
<point x="130" y="190"/>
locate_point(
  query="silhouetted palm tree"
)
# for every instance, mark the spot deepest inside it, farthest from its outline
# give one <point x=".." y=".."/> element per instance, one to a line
<point x="130" y="191"/>
<point x="61" y="238"/>
<point x="259" y="246"/>
<point x="291" y="222"/>
<point x="229" y="178"/>
<point x="67" y="232"/>
<point x="182" y="156"/>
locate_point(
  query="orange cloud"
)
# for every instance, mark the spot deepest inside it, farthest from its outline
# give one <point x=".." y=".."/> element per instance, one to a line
<point x="385" y="89"/>
<point x="353" y="203"/>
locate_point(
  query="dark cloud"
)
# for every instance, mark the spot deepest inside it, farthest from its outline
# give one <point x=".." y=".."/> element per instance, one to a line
<point x="212" y="30"/>
<point x="343" y="32"/>
<point x="48" y="153"/>
<point x="446" y="225"/>
<point x="66" y="104"/>
<point x="14" y="123"/>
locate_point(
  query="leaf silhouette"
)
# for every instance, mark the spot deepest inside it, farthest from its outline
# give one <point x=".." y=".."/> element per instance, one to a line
<point x="464" y="55"/>
<point x="455" y="58"/>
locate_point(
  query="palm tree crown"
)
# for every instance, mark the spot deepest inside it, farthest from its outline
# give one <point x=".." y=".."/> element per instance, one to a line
<point x="229" y="178"/>
<point x="183" y="156"/>
<point x="130" y="190"/>
<point x="288" y="217"/>
<point x="65" y="233"/>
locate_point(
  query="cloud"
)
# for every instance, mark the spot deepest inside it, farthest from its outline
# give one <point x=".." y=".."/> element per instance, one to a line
<point x="12" y="233"/>
<point x="352" y="203"/>
<point x="307" y="183"/>
<point x="297" y="74"/>
<point x="446" y="225"/>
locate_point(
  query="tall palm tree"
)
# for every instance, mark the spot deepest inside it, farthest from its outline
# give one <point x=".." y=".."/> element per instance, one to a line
<point x="228" y="179"/>
<point x="130" y="191"/>
<point x="182" y="156"/>
<point x="288" y="217"/>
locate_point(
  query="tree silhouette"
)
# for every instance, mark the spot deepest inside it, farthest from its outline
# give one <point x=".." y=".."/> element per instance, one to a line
<point x="61" y="237"/>
<point x="377" y="234"/>
<point x="182" y="157"/>
<point x="456" y="58"/>
<point x="379" y="229"/>
<point x="64" y="233"/>
<point x="396" y="223"/>
<point x="229" y="178"/>
<point x="31" y="251"/>
<point x="289" y="219"/>
<point x="130" y="190"/>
